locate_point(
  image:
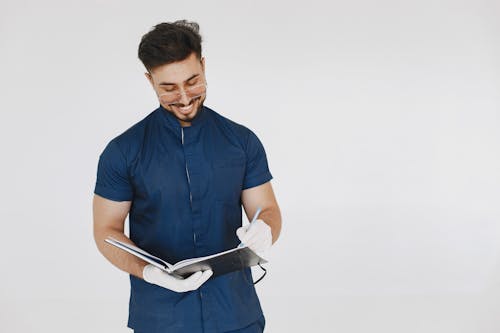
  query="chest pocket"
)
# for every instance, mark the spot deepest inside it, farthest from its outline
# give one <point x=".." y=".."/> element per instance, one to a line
<point x="229" y="174"/>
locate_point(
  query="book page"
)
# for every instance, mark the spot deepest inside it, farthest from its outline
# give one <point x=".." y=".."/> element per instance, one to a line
<point x="187" y="262"/>
<point x="140" y="253"/>
<point x="220" y="263"/>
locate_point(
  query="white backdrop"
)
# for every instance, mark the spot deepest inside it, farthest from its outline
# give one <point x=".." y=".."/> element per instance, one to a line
<point x="381" y="124"/>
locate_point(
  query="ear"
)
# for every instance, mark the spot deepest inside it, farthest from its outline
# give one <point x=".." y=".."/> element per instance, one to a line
<point x="150" y="78"/>
<point x="203" y="64"/>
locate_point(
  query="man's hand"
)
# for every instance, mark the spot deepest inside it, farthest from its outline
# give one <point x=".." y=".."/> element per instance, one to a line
<point x="156" y="276"/>
<point x="257" y="236"/>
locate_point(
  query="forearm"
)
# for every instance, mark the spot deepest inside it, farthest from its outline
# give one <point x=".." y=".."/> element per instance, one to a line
<point x="119" y="258"/>
<point x="272" y="217"/>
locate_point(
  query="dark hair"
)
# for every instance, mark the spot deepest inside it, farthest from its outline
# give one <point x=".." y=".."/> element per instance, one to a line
<point x="169" y="42"/>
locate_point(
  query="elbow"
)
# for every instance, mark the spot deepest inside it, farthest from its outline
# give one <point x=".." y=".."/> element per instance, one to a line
<point x="99" y="236"/>
<point x="276" y="226"/>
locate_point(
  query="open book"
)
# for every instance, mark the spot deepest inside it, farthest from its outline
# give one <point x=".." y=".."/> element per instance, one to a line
<point x="220" y="263"/>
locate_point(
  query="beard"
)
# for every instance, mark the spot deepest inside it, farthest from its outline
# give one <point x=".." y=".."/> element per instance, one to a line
<point x="196" y="102"/>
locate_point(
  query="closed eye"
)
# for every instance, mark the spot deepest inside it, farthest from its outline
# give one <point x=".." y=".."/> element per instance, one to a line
<point x="171" y="87"/>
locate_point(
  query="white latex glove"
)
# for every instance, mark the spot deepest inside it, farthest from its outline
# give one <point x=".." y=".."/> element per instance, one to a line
<point x="256" y="235"/>
<point x="154" y="275"/>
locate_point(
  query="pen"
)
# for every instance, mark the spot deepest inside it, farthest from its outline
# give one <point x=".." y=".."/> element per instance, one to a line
<point x="255" y="216"/>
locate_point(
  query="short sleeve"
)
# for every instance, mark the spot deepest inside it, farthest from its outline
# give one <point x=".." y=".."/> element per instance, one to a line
<point x="112" y="177"/>
<point x="257" y="170"/>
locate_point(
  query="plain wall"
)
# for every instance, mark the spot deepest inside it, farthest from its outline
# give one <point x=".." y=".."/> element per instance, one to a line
<point x="381" y="124"/>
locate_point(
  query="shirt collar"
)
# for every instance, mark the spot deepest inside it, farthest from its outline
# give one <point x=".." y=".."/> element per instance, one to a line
<point x="173" y="123"/>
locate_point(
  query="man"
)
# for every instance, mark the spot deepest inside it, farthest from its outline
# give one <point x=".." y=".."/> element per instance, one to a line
<point x="182" y="175"/>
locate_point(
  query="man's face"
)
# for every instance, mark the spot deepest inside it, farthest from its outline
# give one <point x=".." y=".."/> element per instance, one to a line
<point x="181" y="87"/>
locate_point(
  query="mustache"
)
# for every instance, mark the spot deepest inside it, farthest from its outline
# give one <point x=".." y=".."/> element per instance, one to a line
<point x="190" y="102"/>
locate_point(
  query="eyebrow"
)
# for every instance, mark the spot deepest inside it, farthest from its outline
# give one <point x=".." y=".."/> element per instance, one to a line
<point x="174" y="84"/>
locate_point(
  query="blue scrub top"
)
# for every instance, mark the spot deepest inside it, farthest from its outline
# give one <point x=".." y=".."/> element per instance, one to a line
<point x="185" y="185"/>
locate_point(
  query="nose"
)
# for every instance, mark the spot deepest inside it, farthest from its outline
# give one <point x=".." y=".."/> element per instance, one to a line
<point x="184" y="97"/>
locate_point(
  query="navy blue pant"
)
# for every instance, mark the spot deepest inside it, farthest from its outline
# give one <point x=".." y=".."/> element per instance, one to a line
<point x="255" y="327"/>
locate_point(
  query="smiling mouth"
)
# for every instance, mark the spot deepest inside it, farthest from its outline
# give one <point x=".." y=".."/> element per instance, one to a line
<point x="185" y="109"/>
